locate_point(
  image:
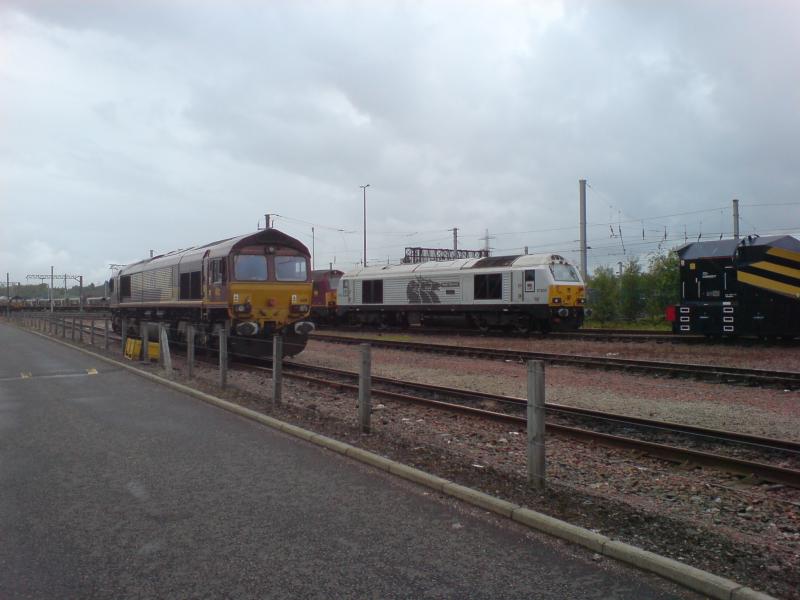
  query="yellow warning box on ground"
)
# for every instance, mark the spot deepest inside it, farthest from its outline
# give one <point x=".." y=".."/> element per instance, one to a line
<point x="133" y="349"/>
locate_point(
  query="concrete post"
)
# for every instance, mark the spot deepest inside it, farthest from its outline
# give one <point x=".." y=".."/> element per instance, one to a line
<point x="735" y="219"/>
<point x="144" y="333"/>
<point x="80" y="330"/>
<point x="64" y="327"/>
<point x="166" y="359"/>
<point x="91" y="332"/>
<point x="364" y="389"/>
<point x="124" y="325"/>
<point x="105" y="334"/>
<point x="536" y="463"/>
<point x="223" y="356"/>
<point x="277" y="368"/>
<point x="72" y="329"/>
<point x="190" y="350"/>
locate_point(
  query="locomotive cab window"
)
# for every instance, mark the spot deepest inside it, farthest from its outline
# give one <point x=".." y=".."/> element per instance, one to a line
<point x="218" y="271"/>
<point x="530" y="280"/>
<point x="290" y="268"/>
<point x="489" y="287"/>
<point x="125" y="286"/>
<point x="372" y="291"/>
<point x="250" y="267"/>
<point x="564" y="273"/>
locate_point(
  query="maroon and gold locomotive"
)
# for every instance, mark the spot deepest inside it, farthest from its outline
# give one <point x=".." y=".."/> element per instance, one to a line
<point x="255" y="285"/>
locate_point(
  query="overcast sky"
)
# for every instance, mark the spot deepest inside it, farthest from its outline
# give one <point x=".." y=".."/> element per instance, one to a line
<point x="132" y="125"/>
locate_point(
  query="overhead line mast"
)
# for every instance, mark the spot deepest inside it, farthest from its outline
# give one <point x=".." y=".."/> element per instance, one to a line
<point x="584" y="273"/>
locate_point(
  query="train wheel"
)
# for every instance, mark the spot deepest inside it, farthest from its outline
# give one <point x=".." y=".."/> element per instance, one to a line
<point x="482" y="324"/>
<point x="522" y="325"/>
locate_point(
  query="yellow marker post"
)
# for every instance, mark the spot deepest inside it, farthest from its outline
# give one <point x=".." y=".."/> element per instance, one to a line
<point x="91" y="371"/>
<point x="26" y="375"/>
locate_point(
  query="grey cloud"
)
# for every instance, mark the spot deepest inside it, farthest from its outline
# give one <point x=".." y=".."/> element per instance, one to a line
<point x="163" y="116"/>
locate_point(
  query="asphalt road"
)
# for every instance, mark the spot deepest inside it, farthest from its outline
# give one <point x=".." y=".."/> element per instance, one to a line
<point x="115" y="487"/>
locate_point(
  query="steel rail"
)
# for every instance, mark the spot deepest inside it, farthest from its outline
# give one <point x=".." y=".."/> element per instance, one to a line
<point x="784" y="379"/>
<point x="717" y="435"/>
<point x="673" y="454"/>
<point x="592" y="334"/>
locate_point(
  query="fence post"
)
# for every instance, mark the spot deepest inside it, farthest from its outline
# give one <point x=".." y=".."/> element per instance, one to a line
<point x="277" y="368"/>
<point x="145" y="335"/>
<point x="72" y="329"/>
<point x="223" y="355"/>
<point x="190" y="350"/>
<point x="80" y="330"/>
<point x="364" y="389"/>
<point x="91" y="332"/>
<point x="124" y="336"/>
<point x="536" y="463"/>
<point x="64" y="327"/>
<point x="105" y="334"/>
<point x="163" y="342"/>
<point x="124" y="325"/>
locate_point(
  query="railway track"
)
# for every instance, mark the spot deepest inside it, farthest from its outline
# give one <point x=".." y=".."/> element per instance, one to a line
<point x="734" y="375"/>
<point x="464" y="401"/>
<point x="585" y="334"/>
<point x="596" y="426"/>
<point x="604" y="335"/>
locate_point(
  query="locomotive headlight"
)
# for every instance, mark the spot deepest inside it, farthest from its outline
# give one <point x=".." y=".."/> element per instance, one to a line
<point x="242" y="308"/>
<point x="299" y="308"/>
<point x="556" y="300"/>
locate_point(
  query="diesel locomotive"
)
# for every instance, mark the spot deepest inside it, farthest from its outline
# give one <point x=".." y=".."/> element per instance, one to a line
<point x="523" y="292"/>
<point x="747" y="287"/>
<point x="254" y="285"/>
<point x="323" y="301"/>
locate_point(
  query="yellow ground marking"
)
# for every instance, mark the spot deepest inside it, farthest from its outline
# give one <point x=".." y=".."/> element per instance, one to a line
<point x="26" y="375"/>
<point x="91" y="371"/>
<point x="788" y="254"/>
<point x="769" y="284"/>
<point x="780" y="269"/>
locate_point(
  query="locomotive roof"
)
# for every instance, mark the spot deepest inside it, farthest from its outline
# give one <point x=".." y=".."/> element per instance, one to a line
<point x="320" y="274"/>
<point x="491" y="262"/>
<point x="218" y="248"/>
<point x="727" y="248"/>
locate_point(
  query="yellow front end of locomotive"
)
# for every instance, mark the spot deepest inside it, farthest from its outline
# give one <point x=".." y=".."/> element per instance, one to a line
<point x="270" y="305"/>
<point x="568" y="296"/>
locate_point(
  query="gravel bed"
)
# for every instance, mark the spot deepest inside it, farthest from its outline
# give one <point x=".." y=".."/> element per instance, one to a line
<point x="770" y="357"/>
<point x="750" y="533"/>
<point x="757" y="411"/>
